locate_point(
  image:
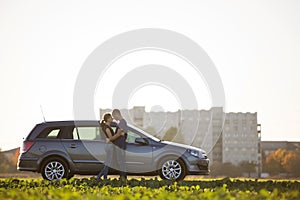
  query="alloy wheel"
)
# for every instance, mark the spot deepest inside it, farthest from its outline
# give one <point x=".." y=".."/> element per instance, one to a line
<point x="54" y="170"/>
<point x="171" y="169"/>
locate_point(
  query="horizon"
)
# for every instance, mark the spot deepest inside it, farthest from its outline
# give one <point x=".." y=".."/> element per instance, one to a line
<point x="2" y="150"/>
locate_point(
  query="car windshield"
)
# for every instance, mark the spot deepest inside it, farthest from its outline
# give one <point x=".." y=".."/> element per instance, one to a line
<point x="144" y="133"/>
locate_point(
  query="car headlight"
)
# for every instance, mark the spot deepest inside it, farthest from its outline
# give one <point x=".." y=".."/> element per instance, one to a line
<point x="195" y="153"/>
<point x="203" y="153"/>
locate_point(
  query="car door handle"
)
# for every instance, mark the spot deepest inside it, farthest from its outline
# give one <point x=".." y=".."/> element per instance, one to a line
<point x="73" y="146"/>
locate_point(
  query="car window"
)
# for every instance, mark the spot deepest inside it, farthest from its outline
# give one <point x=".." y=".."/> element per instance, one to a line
<point x="68" y="133"/>
<point x="131" y="136"/>
<point x="87" y="133"/>
<point x="75" y="134"/>
<point x="50" y="133"/>
<point x="113" y="128"/>
<point x="53" y="134"/>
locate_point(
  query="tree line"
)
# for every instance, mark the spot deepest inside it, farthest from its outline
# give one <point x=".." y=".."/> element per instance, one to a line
<point x="8" y="164"/>
<point x="282" y="162"/>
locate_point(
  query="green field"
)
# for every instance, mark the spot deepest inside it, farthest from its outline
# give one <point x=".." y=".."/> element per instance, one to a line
<point x="89" y="188"/>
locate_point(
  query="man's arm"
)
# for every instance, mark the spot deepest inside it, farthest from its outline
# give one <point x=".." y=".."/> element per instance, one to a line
<point x="122" y="129"/>
<point x="118" y="134"/>
<point x="123" y="126"/>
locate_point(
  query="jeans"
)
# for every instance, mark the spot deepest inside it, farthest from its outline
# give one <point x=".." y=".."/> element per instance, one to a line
<point x="109" y="149"/>
<point x="120" y="156"/>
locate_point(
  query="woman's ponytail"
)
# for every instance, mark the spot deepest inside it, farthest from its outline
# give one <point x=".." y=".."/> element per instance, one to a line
<point x="102" y="124"/>
<point x="105" y="117"/>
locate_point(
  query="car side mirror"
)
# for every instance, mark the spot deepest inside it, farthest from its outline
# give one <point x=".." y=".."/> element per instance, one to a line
<point x="141" y="141"/>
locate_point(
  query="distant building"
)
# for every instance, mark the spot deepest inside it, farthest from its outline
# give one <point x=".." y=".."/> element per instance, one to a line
<point x="241" y="138"/>
<point x="231" y="137"/>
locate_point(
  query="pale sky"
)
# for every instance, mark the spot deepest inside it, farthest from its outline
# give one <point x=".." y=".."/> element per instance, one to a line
<point x="255" y="46"/>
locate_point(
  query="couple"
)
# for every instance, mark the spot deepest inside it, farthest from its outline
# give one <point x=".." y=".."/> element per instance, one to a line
<point x="115" y="143"/>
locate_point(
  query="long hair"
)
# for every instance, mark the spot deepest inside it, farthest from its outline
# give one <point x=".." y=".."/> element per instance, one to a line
<point x="105" y="117"/>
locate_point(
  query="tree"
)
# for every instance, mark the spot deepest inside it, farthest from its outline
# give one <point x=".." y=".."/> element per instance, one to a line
<point x="8" y="164"/>
<point x="291" y="163"/>
<point x="273" y="164"/>
<point x="172" y="134"/>
<point x="248" y="167"/>
<point x="225" y="169"/>
<point x="3" y="162"/>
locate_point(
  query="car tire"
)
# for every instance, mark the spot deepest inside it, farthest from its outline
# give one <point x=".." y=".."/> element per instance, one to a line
<point x="172" y="168"/>
<point x="55" y="169"/>
<point x="71" y="175"/>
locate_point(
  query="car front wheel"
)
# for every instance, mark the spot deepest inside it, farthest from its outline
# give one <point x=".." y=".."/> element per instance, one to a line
<point x="55" y="169"/>
<point x="172" y="169"/>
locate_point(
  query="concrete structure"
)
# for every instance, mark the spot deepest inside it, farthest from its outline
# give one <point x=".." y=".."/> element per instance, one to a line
<point x="241" y="138"/>
<point x="232" y="137"/>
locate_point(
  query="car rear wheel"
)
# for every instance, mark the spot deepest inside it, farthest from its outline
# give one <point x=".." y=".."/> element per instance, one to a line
<point x="71" y="175"/>
<point x="172" y="169"/>
<point x="55" y="169"/>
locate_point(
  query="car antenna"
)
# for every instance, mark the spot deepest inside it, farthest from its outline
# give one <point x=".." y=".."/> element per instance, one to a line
<point x="43" y="113"/>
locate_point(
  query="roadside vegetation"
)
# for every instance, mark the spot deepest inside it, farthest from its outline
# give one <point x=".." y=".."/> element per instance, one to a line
<point x="149" y="189"/>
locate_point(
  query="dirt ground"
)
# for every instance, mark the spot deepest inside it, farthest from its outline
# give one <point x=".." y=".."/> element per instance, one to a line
<point x="37" y="175"/>
<point x="20" y="175"/>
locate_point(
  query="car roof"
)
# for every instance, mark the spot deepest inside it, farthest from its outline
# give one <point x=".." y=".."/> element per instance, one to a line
<point x="70" y="123"/>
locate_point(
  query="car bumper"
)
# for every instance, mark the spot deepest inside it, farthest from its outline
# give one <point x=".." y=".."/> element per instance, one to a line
<point x="199" y="167"/>
<point x="27" y="164"/>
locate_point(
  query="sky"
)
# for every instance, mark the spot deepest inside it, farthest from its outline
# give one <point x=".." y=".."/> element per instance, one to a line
<point x="254" y="45"/>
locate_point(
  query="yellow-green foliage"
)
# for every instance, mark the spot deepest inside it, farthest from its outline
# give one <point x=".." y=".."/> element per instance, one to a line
<point x="148" y="189"/>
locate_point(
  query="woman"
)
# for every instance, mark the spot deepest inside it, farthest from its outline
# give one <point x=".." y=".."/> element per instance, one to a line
<point x="109" y="149"/>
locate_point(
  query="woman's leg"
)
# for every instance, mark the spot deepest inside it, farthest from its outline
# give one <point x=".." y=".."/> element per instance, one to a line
<point x="120" y="155"/>
<point x="109" y="157"/>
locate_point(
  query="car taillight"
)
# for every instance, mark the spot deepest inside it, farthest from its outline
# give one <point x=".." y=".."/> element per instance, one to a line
<point x="27" y="145"/>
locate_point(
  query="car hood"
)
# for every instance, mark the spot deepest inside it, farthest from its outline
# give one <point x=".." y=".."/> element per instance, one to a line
<point x="182" y="146"/>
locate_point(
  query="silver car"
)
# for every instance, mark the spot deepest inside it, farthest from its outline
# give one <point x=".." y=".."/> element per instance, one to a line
<point x="62" y="149"/>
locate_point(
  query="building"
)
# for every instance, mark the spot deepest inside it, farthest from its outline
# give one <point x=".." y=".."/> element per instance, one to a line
<point x="241" y="138"/>
<point x="231" y="137"/>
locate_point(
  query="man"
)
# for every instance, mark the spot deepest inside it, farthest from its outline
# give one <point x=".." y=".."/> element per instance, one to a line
<point x="120" y="142"/>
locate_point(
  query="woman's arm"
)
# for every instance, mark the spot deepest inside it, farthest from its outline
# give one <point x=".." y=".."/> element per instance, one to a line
<point x="118" y="134"/>
<point x="108" y="134"/>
